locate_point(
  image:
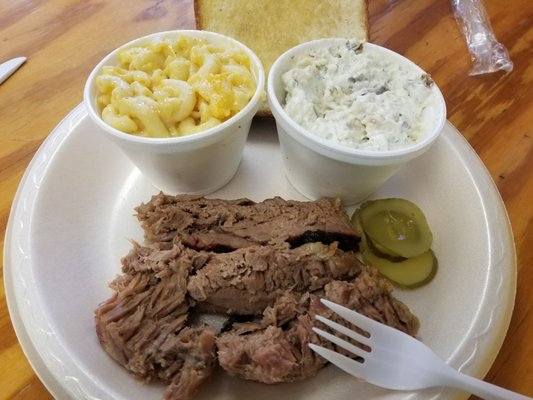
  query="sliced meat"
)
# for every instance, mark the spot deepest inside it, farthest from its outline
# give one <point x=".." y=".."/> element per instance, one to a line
<point x="278" y="352"/>
<point x="248" y="280"/>
<point x="265" y="264"/>
<point x="219" y="242"/>
<point x="286" y="308"/>
<point x="142" y="326"/>
<point x="201" y="223"/>
<point x="275" y="350"/>
<point x="161" y="258"/>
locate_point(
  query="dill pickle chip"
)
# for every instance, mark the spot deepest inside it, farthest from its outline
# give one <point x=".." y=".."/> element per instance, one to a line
<point x="356" y="221"/>
<point x="397" y="227"/>
<point x="382" y="252"/>
<point x="410" y="273"/>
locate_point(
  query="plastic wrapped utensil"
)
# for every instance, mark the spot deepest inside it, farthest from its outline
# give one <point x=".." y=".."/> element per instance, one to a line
<point x="488" y="55"/>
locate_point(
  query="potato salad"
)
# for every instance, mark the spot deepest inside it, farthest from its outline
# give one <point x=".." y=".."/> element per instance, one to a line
<point x="358" y="99"/>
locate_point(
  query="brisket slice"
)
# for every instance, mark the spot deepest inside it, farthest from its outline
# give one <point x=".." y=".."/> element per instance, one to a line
<point x="143" y="325"/>
<point x="275" y="349"/>
<point x="248" y="280"/>
<point x="226" y="225"/>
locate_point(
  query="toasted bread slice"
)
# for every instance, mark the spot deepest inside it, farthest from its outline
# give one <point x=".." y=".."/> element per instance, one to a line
<point x="270" y="28"/>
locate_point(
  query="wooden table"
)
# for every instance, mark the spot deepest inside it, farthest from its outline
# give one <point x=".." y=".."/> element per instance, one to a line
<point x="64" y="39"/>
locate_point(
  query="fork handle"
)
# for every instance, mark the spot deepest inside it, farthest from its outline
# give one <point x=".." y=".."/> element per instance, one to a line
<point x="483" y="389"/>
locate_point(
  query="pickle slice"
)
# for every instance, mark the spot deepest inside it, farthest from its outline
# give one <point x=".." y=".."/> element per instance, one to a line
<point x="382" y="252"/>
<point x="410" y="273"/>
<point x="397" y="227"/>
<point x="356" y="220"/>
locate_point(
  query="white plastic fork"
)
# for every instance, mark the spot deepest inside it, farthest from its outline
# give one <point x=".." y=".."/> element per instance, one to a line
<point x="396" y="360"/>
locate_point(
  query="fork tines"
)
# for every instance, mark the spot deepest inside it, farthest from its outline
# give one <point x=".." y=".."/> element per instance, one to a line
<point x="358" y="351"/>
<point x="351" y="366"/>
<point x="347" y="364"/>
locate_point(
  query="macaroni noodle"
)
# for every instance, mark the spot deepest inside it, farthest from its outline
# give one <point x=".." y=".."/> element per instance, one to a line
<point x="174" y="87"/>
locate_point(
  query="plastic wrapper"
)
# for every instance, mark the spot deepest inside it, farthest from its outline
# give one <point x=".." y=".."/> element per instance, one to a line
<point x="488" y="55"/>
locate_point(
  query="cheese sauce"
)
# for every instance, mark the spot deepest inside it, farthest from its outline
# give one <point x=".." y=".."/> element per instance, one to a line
<point x="356" y="98"/>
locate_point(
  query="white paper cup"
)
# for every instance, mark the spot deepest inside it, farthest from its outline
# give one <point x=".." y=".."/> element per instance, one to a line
<point x="317" y="167"/>
<point x="199" y="163"/>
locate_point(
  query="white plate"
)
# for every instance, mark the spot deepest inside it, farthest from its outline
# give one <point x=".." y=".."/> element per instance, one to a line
<point x="73" y="215"/>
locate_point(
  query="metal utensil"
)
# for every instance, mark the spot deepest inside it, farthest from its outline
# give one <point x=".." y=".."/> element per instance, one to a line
<point x="395" y="359"/>
<point x="9" y="67"/>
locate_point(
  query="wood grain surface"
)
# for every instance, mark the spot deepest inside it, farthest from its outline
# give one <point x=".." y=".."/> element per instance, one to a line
<point x="64" y="39"/>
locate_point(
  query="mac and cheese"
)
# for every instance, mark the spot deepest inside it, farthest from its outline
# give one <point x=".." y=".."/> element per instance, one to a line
<point x="174" y="87"/>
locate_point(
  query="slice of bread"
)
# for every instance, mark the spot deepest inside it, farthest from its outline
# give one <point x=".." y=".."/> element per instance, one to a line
<point x="270" y="27"/>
